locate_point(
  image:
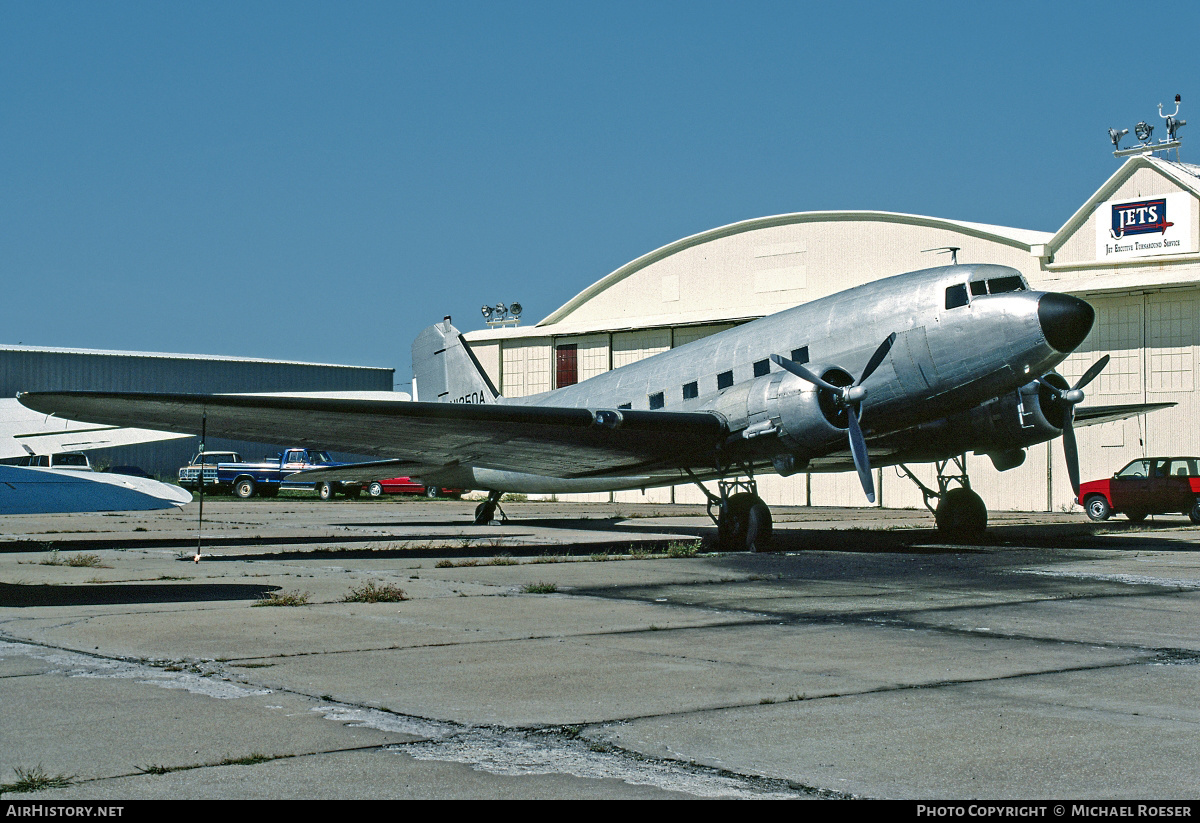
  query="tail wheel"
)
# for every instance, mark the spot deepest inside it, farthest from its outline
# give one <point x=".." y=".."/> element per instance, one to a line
<point x="1097" y="508"/>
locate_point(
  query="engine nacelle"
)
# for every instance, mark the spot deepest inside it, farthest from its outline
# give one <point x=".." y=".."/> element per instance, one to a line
<point x="782" y="414"/>
<point x="1002" y="428"/>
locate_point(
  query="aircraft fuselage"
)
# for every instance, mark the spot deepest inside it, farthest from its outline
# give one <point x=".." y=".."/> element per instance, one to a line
<point x="965" y="335"/>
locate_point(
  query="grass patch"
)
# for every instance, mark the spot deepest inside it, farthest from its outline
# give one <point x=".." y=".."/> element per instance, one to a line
<point x="549" y="558"/>
<point x="156" y="769"/>
<point x="87" y="561"/>
<point x="295" y="598"/>
<point x="252" y="759"/>
<point x="503" y="560"/>
<point x="35" y="780"/>
<point x="372" y="592"/>
<point x="539" y="588"/>
<point x="680" y="548"/>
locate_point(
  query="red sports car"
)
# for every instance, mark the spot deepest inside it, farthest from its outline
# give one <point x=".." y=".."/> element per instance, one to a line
<point x="406" y="485"/>
<point x="1149" y="485"/>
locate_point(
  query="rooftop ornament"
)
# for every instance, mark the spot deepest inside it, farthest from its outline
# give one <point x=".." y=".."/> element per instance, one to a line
<point x="1145" y="134"/>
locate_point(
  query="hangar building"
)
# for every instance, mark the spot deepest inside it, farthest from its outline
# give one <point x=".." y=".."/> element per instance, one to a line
<point x="1144" y="285"/>
<point x="36" y="368"/>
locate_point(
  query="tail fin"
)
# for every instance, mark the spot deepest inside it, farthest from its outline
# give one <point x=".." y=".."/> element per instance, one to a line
<point x="445" y="369"/>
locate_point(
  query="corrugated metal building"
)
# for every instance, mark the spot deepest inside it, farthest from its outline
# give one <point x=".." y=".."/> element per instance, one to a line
<point x="36" y="368"/>
<point x="1146" y="291"/>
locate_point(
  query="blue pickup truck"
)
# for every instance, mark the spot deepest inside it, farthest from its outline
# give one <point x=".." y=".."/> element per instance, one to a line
<point x="267" y="477"/>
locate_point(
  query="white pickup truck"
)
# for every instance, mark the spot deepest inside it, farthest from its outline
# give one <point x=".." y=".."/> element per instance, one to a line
<point x="62" y="460"/>
<point x="209" y="461"/>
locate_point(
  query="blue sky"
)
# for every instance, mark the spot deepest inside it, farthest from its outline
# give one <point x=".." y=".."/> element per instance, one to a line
<point x="319" y="181"/>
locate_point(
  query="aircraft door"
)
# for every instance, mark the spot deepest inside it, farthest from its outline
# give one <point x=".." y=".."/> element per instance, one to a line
<point x="913" y="361"/>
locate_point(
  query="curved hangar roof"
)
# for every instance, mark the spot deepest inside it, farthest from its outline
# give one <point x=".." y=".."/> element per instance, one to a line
<point x="767" y="264"/>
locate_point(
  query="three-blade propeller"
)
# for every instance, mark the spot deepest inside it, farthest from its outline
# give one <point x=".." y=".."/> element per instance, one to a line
<point x="1070" y="398"/>
<point x="849" y="398"/>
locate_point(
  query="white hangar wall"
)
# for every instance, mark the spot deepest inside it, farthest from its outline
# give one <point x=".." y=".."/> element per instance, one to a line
<point x="1147" y="314"/>
<point x="1146" y="321"/>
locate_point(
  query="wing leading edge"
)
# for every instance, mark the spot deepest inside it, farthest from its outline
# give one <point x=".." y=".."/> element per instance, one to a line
<point x="551" y="441"/>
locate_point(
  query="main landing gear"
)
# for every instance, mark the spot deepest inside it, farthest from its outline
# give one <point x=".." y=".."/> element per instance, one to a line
<point x="960" y="513"/>
<point x="743" y="519"/>
<point x="485" y="512"/>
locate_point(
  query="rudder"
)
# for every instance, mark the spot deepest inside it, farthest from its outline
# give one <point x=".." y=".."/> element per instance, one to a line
<point x="445" y="370"/>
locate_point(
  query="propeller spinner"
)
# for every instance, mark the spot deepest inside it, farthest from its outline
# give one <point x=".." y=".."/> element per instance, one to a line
<point x="1070" y="398"/>
<point x="849" y="398"/>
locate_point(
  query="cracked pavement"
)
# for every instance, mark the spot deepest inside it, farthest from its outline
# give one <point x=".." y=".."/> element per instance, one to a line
<point x="865" y="659"/>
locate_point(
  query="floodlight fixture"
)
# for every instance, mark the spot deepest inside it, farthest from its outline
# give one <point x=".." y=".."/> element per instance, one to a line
<point x="487" y="312"/>
<point x="501" y="310"/>
<point x="515" y="309"/>
<point x="1143" y="131"/>
<point x="1115" y="136"/>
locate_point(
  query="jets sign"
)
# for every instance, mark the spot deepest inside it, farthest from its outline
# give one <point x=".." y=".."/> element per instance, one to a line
<point x="1145" y="227"/>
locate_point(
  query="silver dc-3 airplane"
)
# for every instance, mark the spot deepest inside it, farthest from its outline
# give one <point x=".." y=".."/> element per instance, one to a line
<point x="919" y="367"/>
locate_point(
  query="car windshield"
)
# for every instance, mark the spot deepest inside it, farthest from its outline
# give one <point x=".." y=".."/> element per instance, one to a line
<point x="1138" y="468"/>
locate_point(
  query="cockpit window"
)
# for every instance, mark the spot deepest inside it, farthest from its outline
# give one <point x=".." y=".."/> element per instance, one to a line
<point x="998" y="285"/>
<point x="956" y="296"/>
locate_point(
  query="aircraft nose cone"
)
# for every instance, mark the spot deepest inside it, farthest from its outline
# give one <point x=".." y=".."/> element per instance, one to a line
<point x="1065" y="320"/>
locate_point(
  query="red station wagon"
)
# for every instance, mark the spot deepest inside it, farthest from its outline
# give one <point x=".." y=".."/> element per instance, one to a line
<point x="406" y="485"/>
<point x="1149" y="485"/>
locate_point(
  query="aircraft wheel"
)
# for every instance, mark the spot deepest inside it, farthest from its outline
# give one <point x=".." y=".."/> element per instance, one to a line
<point x="1194" y="514"/>
<point x="1097" y="508"/>
<point x="244" y="488"/>
<point x="375" y="489"/>
<point x="1135" y="516"/>
<point x="759" y="532"/>
<point x="484" y="513"/>
<point x="961" y="514"/>
<point x="325" y="491"/>
<point x="745" y="525"/>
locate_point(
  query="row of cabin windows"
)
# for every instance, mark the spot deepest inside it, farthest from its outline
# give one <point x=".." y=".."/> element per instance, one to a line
<point x="724" y="380"/>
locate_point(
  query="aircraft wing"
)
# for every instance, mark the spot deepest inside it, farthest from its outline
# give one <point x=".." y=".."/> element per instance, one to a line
<point x="39" y="491"/>
<point x="24" y="431"/>
<point x="1091" y="415"/>
<point x="551" y="441"/>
